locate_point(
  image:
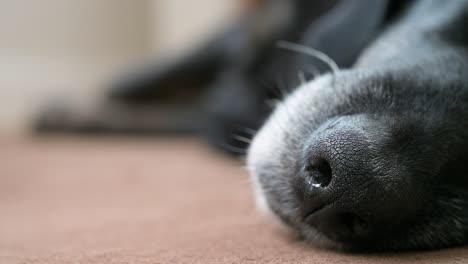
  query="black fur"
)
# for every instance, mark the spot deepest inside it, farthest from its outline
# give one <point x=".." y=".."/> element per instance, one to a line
<point x="392" y="133"/>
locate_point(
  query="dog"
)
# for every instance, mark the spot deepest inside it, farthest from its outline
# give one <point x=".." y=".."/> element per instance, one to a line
<point x="374" y="157"/>
<point x="367" y="153"/>
<point x="199" y="93"/>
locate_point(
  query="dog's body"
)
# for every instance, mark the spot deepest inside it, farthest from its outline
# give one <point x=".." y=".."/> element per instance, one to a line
<point x="222" y="86"/>
<point x="374" y="158"/>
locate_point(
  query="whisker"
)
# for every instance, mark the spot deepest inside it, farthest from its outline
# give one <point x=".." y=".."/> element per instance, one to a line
<point x="302" y="78"/>
<point x="234" y="149"/>
<point x="250" y="131"/>
<point x="282" y="87"/>
<point x="272" y="86"/>
<point x="314" y="71"/>
<point x="311" y="52"/>
<point x="242" y="139"/>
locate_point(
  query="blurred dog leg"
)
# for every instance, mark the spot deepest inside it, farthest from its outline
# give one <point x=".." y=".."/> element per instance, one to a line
<point x="110" y="117"/>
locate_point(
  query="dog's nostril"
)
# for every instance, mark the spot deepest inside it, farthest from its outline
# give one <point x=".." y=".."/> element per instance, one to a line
<point x="320" y="172"/>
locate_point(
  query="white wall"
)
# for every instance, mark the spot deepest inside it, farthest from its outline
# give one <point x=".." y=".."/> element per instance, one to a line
<point x="72" y="47"/>
<point x="179" y="23"/>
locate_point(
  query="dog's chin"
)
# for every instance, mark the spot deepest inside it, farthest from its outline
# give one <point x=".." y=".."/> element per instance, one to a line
<point x="312" y="236"/>
<point x="315" y="238"/>
<point x="303" y="230"/>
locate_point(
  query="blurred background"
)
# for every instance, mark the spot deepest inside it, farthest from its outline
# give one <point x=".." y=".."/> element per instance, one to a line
<point x="68" y="47"/>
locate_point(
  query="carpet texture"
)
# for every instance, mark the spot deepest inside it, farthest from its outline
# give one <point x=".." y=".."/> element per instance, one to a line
<point x="144" y="201"/>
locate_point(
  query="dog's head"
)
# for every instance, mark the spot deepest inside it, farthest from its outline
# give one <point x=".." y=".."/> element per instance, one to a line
<point x="369" y="159"/>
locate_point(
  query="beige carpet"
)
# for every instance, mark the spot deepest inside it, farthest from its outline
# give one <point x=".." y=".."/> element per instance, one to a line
<point x="144" y="201"/>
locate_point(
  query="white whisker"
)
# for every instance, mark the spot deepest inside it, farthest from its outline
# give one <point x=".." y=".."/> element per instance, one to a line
<point x="314" y="71"/>
<point x="234" y="149"/>
<point x="250" y="131"/>
<point x="311" y="52"/>
<point x="282" y="88"/>
<point x="302" y="77"/>
<point x="242" y="139"/>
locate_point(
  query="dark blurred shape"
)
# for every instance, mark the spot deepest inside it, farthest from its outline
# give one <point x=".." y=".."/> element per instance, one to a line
<point x="221" y="90"/>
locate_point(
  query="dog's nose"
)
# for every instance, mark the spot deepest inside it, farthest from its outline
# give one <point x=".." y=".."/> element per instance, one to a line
<point x="334" y="181"/>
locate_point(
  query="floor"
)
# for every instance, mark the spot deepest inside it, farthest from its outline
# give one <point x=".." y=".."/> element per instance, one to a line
<point x="114" y="200"/>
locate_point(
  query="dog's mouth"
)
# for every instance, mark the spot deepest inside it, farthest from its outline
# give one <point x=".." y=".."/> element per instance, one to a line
<point x="309" y="214"/>
<point x="345" y="227"/>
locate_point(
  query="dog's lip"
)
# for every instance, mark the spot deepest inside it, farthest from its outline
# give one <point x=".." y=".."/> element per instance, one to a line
<point x="306" y="217"/>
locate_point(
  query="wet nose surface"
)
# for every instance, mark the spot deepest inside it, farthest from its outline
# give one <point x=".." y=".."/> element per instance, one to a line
<point x="334" y="172"/>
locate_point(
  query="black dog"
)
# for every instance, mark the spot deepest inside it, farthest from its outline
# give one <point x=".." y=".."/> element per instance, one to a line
<point x="222" y="87"/>
<point x="374" y="158"/>
<point x="367" y="158"/>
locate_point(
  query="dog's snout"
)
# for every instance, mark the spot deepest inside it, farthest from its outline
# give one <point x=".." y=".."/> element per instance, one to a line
<point x="334" y="175"/>
<point x="335" y="152"/>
